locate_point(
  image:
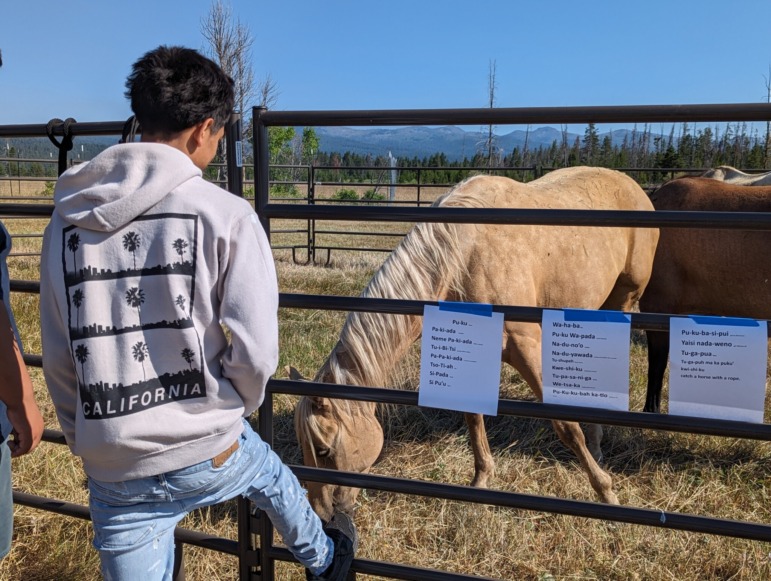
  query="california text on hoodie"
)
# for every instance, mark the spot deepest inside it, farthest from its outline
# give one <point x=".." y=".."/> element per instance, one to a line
<point x="145" y="268"/>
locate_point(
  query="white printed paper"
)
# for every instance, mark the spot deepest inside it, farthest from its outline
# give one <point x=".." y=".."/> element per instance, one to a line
<point x="718" y="370"/>
<point x="586" y="359"/>
<point x="460" y="361"/>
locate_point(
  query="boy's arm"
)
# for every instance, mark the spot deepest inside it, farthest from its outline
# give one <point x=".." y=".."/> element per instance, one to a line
<point x="17" y="393"/>
<point x="249" y="293"/>
<point x="58" y="367"/>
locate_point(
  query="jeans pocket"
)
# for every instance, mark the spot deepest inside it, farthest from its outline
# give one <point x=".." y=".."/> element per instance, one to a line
<point x="205" y="478"/>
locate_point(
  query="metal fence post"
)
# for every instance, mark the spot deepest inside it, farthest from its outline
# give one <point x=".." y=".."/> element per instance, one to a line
<point x="265" y="428"/>
<point x="234" y="155"/>
<point x="312" y="223"/>
<point x="418" y="182"/>
<point x="261" y="166"/>
<point x="179" y="562"/>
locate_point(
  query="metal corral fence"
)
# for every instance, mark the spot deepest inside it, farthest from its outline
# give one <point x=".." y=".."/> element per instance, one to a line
<point x="570" y="115"/>
<point x="258" y="562"/>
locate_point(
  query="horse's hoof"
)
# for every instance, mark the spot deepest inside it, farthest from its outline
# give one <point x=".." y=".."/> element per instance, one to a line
<point x="479" y="481"/>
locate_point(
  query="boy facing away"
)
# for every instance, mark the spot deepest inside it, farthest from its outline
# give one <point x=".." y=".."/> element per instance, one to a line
<point x="142" y="261"/>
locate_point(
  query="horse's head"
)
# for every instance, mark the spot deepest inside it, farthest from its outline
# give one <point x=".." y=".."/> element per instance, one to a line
<point x="340" y="435"/>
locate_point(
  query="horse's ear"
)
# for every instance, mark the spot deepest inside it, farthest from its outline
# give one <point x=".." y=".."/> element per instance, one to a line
<point x="294" y="375"/>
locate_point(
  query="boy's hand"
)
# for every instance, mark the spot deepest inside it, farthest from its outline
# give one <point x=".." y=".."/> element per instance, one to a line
<point x="27" y="430"/>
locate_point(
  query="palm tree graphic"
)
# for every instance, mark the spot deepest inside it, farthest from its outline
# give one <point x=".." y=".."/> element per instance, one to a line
<point x="81" y="354"/>
<point x="140" y="353"/>
<point x="131" y="243"/>
<point x="180" y="302"/>
<point x="188" y="355"/>
<point x="73" y="243"/>
<point x="180" y="246"/>
<point x="77" y="300"/>
<point x="135" y="297"/>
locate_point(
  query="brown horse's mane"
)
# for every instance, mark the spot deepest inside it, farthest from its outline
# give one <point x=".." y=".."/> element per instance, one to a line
<point x="428" y="264"/>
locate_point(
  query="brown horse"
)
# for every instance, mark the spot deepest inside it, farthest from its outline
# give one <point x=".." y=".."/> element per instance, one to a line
<point x="552" y="266"/>
<point x="706" y="271"/>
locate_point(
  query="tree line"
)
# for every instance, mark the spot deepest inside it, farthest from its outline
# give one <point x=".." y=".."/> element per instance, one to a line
<point x="657" y="155"/>
<point x="684" y="147"/>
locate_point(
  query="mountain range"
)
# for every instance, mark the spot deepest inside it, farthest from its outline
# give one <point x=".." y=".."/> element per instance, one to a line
<point x="414" y="141"/>
<point x="454" y="142"/>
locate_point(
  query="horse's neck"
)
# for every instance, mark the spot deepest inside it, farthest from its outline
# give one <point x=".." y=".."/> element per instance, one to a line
<point x="427" y="265"/>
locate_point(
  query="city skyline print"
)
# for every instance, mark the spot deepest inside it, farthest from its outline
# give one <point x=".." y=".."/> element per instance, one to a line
<point x="130" y="296"/>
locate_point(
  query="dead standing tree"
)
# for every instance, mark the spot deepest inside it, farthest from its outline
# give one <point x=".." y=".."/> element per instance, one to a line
<point x="230" y="44"/>
<point x="767" y="152"/>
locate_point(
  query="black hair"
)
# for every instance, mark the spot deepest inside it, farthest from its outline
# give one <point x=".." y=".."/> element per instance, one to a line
<point x="173" y="88"/>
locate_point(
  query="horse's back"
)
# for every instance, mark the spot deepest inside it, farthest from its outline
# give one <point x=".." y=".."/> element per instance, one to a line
<point x="707" y="270"/>
<point x="707" y="194"/>
<point x="580" y="188"/>
<point x="558" y="266"/>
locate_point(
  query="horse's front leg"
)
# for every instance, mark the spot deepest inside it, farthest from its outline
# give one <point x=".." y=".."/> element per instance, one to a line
<point x="571" y="435"/>
<point x="484" y="465"/>
<point x="523" y="351"/>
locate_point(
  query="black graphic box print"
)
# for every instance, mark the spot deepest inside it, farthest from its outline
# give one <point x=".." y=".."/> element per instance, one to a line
<point x="129" y="302"/>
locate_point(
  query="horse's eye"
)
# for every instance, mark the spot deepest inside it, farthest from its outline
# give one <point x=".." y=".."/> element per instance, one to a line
<point x="322" y="452"/>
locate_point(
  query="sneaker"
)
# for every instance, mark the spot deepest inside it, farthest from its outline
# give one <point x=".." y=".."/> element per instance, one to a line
<point x="343" y="533"/>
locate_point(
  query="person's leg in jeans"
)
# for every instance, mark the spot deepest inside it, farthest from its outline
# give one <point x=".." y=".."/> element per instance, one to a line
<point x="135" y="539"/>
<point x="6" y="500"/>
<point x="134" y="520"/>
<point x="276" y="491"/>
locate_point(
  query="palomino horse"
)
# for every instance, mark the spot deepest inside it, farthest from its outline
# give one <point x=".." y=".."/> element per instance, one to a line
<point x="731" y="175"/>
<point x="543" y="266"/>
<point x="706" y="271"/>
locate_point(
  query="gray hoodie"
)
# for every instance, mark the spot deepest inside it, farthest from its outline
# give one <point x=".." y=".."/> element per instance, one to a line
<point x="145" y="268"/>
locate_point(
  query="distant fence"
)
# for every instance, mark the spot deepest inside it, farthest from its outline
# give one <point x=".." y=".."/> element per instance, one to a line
<point x="320" y="239"/>
<point x="316" y="240"/>
<point x="258" y="563"/>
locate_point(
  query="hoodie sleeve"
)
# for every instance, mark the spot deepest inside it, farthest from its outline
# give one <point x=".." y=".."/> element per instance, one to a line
<point x="249" y="309"/>
<point x="58" y="367"/>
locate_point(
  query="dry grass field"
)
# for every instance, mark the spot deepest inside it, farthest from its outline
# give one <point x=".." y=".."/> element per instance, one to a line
<point x="675" y="472"/>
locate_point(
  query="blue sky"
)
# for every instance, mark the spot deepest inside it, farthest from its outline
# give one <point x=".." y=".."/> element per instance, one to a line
<point x="70" y="59"/>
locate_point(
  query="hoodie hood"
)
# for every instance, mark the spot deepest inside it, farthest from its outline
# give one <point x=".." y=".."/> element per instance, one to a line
<point x="121" y="183"/>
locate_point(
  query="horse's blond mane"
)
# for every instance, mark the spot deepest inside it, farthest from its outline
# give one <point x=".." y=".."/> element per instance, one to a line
<point x="428" y="264"/>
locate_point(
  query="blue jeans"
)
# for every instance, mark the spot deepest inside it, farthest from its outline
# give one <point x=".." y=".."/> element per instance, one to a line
<point x="6" y="499"/>
<point x="134" y="520"/>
